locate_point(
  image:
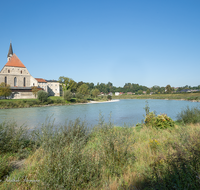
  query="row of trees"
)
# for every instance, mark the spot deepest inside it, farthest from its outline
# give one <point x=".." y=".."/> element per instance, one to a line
<point x="86" y="88"/>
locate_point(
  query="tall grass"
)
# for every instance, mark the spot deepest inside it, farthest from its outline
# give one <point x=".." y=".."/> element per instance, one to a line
<point x="189" y="115"/>
<point x="107" y="157"/>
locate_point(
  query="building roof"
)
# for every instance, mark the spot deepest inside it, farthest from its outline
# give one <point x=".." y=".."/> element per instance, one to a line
<point x="40" y="80"/>
<point x="10" y="52"/>
<point x="15" y="62"/>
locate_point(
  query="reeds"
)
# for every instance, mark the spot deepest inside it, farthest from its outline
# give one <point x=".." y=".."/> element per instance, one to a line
<point x="106" y="157"/>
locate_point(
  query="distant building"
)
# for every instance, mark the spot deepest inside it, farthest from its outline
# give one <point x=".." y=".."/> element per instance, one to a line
<point x="20" y="80"/>
<point x="129" y="93"/>
<point x="116" y="93"/>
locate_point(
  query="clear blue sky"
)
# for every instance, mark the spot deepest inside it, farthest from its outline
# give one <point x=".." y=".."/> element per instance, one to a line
<point x="149" y="42"/>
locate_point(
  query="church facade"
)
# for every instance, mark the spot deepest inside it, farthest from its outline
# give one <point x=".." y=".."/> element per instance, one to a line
<point x="20" y="80"/>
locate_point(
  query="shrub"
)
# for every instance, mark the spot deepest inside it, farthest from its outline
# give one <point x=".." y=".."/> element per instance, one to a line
<point x="161" y="121"/>
<point x="68" y="95"/>
<point x="58" y="101"/>
<point x="42" y="96"/>
<point x="5" y="167"/>
<point x="109" y="97"/>
<point x="13" y="138"/>
<point x="79" y="96"/>
<point x="189" y="115"/>
<point x="65" y="165"/>
<point x="179" y="170"/>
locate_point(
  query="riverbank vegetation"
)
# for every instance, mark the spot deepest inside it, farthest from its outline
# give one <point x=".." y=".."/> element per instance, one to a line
<point x="175" y="96"/>
<point x="71" y="156"/>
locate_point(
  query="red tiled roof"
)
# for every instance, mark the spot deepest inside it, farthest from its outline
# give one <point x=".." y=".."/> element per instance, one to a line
<point x="40" y="80"/>
<point x="15" y="62"/>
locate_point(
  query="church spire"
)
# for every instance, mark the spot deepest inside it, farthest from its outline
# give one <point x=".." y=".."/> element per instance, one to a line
<point x="10" y="52"/>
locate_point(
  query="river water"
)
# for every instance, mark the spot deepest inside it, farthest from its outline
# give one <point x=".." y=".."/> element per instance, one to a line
<point x="123" y="111"/>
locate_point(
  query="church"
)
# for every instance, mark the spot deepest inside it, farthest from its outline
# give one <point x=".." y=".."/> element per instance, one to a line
<point x="20" y="80"/>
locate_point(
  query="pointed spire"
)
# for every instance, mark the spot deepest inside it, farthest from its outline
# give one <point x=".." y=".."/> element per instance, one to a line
<point x="10" y="52"/>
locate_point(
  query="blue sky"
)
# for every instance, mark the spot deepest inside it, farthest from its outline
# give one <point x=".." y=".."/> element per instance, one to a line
<point x="149" y="42"/>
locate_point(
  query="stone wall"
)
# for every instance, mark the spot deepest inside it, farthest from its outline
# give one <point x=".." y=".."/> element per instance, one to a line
<point x="20" y="73"/>
<point x="22" y="95"/>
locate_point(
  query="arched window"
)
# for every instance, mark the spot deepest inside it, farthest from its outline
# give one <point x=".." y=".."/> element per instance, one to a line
<point x="5" y="80"/>
<point x="24" y="81"/>
<point x="15" y="81"/>
<point x="21" y="72"/>
<point x="8" y="70"/>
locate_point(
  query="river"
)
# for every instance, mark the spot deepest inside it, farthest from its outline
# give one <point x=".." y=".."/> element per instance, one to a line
<point x="123" y="111"/>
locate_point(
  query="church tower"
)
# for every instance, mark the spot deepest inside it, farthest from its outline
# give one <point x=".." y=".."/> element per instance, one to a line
<point x="10" y="52"/>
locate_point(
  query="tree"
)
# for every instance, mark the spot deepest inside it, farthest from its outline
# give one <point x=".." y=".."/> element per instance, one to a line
<point x="140" y="92"/>
<point x="5" y="90"/>
<point x="34" y="90"/>
<point x="109" y="97"/>
<point x="95" y="92"/>
<point x="67" y="83"/>
<point x="42" y="96"/>
<point x="148" y="91"/>
<point x="83" y="89"/>
<point x="68" y="95"/>
<point x="168" y="89"/>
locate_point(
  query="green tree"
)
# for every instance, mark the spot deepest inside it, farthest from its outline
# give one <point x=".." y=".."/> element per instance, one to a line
<point x="95" y="92"/>
<point x="67" y="83"/>
<point x="83" y="89"/>
<point x="42" y="96"/>
<point x="5" y="90"/>
<point x="68" y="95"/>
<point x="34" y="90"/>
<point x="109" y="97"/>
<point x="148" y="91"/>
<point x="168" y="89"/>
<point x="140" y="92"/>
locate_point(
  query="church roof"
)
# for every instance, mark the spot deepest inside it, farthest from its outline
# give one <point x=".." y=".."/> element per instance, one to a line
<point x="14" y="62"/>
<point x="40" y="80"/>
<point x="10" y="52"/>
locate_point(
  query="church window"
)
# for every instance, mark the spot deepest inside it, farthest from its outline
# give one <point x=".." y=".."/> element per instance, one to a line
<point x="5" y="80"/>
<point x="15" y="81"/>
<point x="24" y="81"/>
<point x="21" y="72"/>
<point x="8" y="70"/>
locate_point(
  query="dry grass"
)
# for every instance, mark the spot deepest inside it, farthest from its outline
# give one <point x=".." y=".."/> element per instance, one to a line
<point x="109" y="158"/>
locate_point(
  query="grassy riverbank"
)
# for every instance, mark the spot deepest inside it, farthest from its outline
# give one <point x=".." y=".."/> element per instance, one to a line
<point x="108" y="157"/>
<point x="51" y="101"/>
<point x="183" y="96"/>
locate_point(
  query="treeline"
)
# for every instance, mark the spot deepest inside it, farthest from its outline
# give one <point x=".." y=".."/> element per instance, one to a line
<point x="186" y="87"/>
<point x="70" y="84"/>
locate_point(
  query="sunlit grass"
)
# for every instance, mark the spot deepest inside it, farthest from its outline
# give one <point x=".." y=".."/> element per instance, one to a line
<point x="107" y="157"/>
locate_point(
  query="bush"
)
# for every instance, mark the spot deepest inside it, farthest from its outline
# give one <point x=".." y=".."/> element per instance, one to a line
<point x="179" y="170"/>
<point x="66" y="165"/>
<point x="58" y="101"/>
<point x="68" y="95"/>
<point x="42" y="96"/>
<point x="189" y="115"/>
<point x="79" y="96"/>
<point x="5" y="167"/>
<point x="161" y="121"/>
<point x="13" y="138"/>
<point x="109" y="97"/>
